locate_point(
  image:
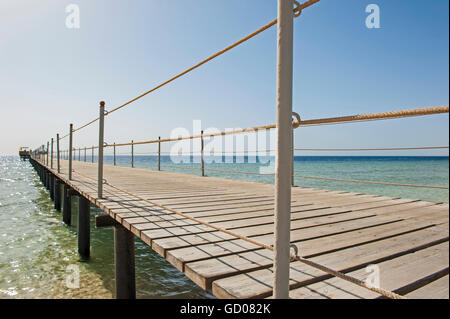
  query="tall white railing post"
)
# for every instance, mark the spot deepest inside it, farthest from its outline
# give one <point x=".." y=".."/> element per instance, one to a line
<point x="47" y="153"/>
<point x="203" y="154"/>
<point x="159" y="153"/>
<point x="114" y="153"/>
<point x="132" y="154"/>
<point x="51" y="155"/>
<point x="58" y="164"/>
<point x="100" y="148"/>
<point x="70" y="150"/>
<point x="284" y="149"/>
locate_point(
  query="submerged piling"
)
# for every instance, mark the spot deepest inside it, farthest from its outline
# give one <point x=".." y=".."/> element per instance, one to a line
<point x="124" y="260"/>
<point x="57" y="194"/>
<point x="67" y="203"/>
<point x="84" y="236"/>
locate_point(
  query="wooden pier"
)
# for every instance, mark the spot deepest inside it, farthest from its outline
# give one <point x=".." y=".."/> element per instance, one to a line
<point x="407" y="239"/>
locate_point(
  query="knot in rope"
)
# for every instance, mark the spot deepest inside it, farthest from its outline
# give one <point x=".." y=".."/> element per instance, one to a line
<point x="297" y="10"/>
<point x="294" y="256"/>
<point x="296" y="124"/>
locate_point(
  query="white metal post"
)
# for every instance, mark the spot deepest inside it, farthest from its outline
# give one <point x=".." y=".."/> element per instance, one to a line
<point x="70" y="151"/>
<point x="202" y="154"/>
<point x="132" y="154"/>
<point x="57" y="154"/>
<point x="51" y="155"/>
<point x="114" y="154"/>
<point x="100" y="148"/>
<point x="284" y="151"/>
<point x="159" y="153"/>
<point x="47" y="153"/>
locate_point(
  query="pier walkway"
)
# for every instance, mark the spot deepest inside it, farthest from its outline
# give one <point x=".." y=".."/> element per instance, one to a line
<point x="407" y="239"/>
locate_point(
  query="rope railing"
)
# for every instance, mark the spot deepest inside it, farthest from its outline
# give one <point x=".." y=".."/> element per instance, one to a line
<point x="302" y="123"/>
<point x="378" y="116"/>
<point x="295" y="149"/>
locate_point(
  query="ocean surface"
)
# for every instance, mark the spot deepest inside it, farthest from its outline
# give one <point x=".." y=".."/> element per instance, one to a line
<point x="38" y="252"/>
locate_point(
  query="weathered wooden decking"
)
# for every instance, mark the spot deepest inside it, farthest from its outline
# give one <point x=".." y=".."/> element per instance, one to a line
<point x="407" y="239"/>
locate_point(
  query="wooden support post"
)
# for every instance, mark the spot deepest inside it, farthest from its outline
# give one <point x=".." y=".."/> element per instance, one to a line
<point x="51" y="185"/>
<point x="70" y="150"/>
<point x="58" y="164"/>
<point x="114" y="147"/>
<point x="284" y="152"/>
<point x="85" y="154"/>
<point x="57" y="194"/>
<point x="132" y="154"/>
<point x="84" y="236"/>
<point x="124" y="262"/>
<point x="92" y="160"/>
<point x="100" y="149"/>
<point x="202" y="155"/>
<point x="159" y="153"/>
<point x="67" y="205"/>
<point x="51" y="154"/>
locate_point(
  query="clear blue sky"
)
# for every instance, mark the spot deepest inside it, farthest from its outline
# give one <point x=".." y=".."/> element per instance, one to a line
<point x="51" y="76"/>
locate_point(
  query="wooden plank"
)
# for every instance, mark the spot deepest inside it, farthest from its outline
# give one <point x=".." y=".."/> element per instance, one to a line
<point x="162" y="246"/>
<point x="438" y="289"/>
<point x="394" y="275"/>
<point x="267" y="229"/>
<point x="152" y="231"/>
<point x="308" y="247"/>
<point x="250" y="282"/>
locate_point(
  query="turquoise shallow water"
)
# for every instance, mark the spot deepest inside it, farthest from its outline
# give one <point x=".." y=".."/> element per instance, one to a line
<point x="36" y="247"/>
